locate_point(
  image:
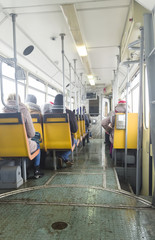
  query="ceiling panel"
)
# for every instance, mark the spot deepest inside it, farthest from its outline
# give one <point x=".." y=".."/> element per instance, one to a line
<point x="101" y="23"/>
<point x="148" y="4"/>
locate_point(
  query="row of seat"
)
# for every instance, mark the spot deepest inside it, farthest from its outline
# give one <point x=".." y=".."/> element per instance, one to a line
<point x="55" y="131"/>
<point x="53" y="128"/>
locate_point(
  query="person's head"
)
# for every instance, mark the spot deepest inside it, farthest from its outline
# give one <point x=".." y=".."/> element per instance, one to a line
<point x="58" y="100"/>
<point x="121" y="101"/>
<point x="12" y="97"/>
<point x="47" y="108"/>
<point x="31" y="98"/>
<point x="58" y="104"/>
<point x="121" y="106"/>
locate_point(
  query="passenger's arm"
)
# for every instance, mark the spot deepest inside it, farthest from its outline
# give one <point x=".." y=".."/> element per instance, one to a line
<point x="29" y="125"/>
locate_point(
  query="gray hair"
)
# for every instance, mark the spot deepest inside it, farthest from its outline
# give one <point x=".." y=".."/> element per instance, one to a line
<point x="12" y="96"/>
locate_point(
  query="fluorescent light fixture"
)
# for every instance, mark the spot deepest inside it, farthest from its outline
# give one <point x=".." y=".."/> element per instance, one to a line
<point x="91" y="81"/>
<point x="82" y="50"/>
<point x="90" y="76"/>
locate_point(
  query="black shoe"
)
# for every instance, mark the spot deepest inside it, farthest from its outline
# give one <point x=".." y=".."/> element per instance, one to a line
<point x="37" y="173"/>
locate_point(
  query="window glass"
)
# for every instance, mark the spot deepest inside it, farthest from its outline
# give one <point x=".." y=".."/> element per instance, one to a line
<point x="12" y="89"/>
<point x="8" y="71"/>
<point x="52" y="91"/>
<point x="135" y="99"/>
<point x="8" y="87"/>
<point x="39" y="95"/>
<point x="21" y="92"/>
<point x="146" y="102"/>
<point x="135" y="81"/>
<point x="50" y="99"/>
<point x="36" y="84"/>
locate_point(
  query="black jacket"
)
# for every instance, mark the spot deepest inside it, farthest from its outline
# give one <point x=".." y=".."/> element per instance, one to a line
<point x="73" y="122"/>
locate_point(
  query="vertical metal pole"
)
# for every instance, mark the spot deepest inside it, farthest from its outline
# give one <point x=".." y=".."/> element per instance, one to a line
<point x="126" y="125"/>
<point x="140" y="112"/>
<point x="70" y="77"/>
<point x="1" y="82"/>
<point x="75" y="83"/>
<point x="101" y="112"/>
<point x="81" y="89"/>
<point x="149" y="30"/>
<point x="24" y="175"/>
<point x="79" y="94"/>
<point x="63" y="69"/>
<point x="15" y="56"/>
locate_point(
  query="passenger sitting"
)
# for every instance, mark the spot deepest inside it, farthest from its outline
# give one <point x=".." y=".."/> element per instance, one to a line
<point x="109" y="122"/>
<point x="47" y="108"/>
<point x="31" y="103"/>
<point x="58" y="108"/>
<point x="11" y="103"/>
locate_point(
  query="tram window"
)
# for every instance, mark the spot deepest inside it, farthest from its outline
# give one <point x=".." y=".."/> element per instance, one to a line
<point x="94" y="107"/>
<point x="39" y="95"/>
<point x="36" y="84"/>
<point x="146" y="101"/>
<point x="21" y="91"/>
<point x="52" y="91"/>
<point x="135" y="93"/>
<point x="135" y="99"/>
<point x="8" y="87"/>
<point x="50" y="98"/>
<point x="8" y="71"/>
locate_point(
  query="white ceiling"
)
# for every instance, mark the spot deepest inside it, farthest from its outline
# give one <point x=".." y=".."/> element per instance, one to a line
<point x="101" y="24"/>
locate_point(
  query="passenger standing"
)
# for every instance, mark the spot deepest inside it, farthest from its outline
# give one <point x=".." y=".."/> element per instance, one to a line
<point x="58" y="108"/>
<point x="87" y="122"/>
<point x="109" y="122"/>
<point x="11" y="103"/>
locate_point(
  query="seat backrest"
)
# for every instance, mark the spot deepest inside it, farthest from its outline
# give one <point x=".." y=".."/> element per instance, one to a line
<point x="79" y="136"/>
<point x="119" y="134"/>
<point x="81" y="125"/>
<point x="13" y="136"/>
<point x="57" y="134"/>
<point x="37" y="123"/>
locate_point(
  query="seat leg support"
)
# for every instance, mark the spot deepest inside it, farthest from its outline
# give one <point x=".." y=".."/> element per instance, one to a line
<point x="24" y="175"/>
<point x="54" y="160"/>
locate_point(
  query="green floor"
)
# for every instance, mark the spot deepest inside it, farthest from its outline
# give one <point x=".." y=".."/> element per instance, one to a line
<point x="87" y="197"/>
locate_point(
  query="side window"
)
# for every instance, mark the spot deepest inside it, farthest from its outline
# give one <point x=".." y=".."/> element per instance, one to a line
<point x="37" y="88"/>
<point x="135" y="99"/>
<point x="135" y="93"/>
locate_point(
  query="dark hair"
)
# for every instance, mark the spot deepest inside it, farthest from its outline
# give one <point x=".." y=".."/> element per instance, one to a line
<point x="58" y="100"/>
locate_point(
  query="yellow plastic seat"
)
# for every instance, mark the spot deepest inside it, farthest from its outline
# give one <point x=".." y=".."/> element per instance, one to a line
<point x="57" y="133"/>
<point x="13" y="140"/>
<point x="79" y="136"/>
<point x="119" y="135"/>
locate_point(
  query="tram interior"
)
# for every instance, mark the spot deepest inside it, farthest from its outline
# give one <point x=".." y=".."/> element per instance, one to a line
<point x="96" y="54"/>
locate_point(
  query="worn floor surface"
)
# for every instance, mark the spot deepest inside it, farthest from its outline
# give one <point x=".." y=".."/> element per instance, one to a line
<point x="84" y="202"/>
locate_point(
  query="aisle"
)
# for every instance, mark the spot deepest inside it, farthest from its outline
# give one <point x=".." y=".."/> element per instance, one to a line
<point x="85" y="200"/>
